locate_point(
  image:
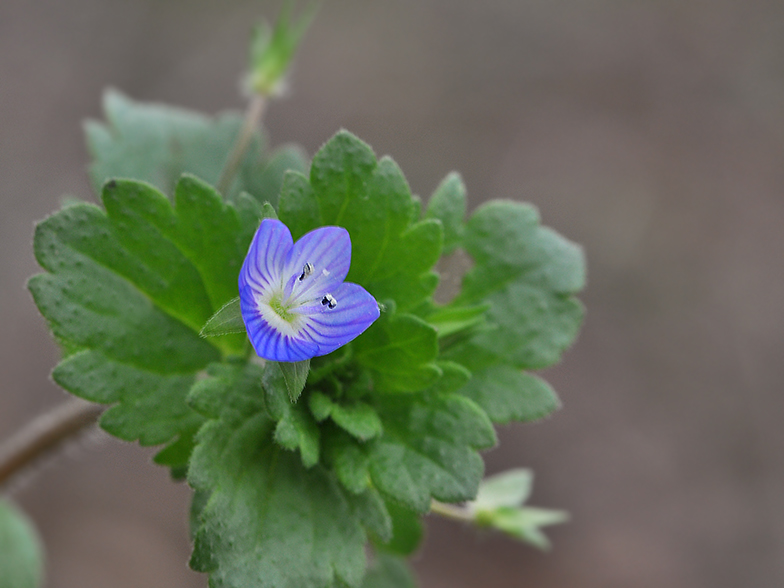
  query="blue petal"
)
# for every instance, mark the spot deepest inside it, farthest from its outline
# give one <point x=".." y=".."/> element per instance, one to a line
<point x="267" y="341"/>
<point x="328" y="251"/>
<point x="332" y="328"/>
<point x="271" y="243"/>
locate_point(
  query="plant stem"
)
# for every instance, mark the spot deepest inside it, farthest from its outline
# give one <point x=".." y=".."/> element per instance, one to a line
<point x="45" y="433"/>
<point x="252" y="119"/>
<point x="451" y="511"/>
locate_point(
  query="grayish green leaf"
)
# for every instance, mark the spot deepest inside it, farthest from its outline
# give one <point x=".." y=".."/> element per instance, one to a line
<point x="506" y="394"/>
<point x="448" y="204"/>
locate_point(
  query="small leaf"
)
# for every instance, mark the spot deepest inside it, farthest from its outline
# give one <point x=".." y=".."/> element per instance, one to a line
<point x="507" y="394"/>
<point x="357" y="418"/>
<point x="400" y="350"/>
<point x="295" y="374"/>
<point x="296" y="428"/>
<point x="448" y="204"/>
<point x="227" y="320"/>
<point x="511" y="488"/>
<point x="450" y="320"/>
<point x="21" y="554"/>
<point x="349" y="462"/>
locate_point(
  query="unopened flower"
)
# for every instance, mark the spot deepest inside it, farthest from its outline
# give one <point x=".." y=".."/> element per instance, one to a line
<point x="294" y="301"/>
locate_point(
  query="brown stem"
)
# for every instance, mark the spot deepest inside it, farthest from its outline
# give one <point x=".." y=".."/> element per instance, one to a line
<point x="252" y="119"/>
<point x="45" y="433"/>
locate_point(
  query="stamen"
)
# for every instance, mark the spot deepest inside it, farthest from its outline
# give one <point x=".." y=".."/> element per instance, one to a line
<point x="329" y="300"/>
<point x="307" y="269"/>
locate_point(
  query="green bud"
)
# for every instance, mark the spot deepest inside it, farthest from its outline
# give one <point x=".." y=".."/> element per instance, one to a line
<point x="272" y="49"/>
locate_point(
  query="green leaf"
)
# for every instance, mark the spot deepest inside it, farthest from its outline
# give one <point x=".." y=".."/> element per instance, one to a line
<point x="407" y="530"/>
<point x="357" y="418"/>
<point x="389" y="572"/>
<point x="294" y="373"/>
<point x="157" y="144"/>
<point x="391" y="256"/>
<point x="428" y="449"/>
<point x="227" y="320"/>
<point x="296" y="428"/>
<point x="507" y="394"/>
<point x="400" y="350"/>
<point x="510" y="488"/>
<point x="451" y="320"/>
<point x="21" y="554"/>
<point x="528" y="274"/>
<point x="448" y="204"/>
<point x="147" y="405"/>
<point x="128" y="290"/>
<point x="453" y="377"/>
<point x="349" y="461"/>
<point x="268" y="522"/>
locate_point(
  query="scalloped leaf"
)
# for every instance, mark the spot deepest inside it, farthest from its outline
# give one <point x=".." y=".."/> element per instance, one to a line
<point x="392" y="254"/>
<point x="128" y="289"/>
<point x="428" y="449"/>
<point x="268" y="522"/>
<point x="529" y="275"/>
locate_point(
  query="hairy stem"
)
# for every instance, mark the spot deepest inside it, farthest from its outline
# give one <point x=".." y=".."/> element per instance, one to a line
<point x="252" y="119"/>
<point x="45" y="433"/>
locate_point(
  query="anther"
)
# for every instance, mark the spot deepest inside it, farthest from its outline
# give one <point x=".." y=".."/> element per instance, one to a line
<point x="329" y="300"/>
<point x="307" y="269"/>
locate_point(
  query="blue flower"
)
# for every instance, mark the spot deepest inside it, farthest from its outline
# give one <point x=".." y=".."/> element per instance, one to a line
<point x="294" y="301"/>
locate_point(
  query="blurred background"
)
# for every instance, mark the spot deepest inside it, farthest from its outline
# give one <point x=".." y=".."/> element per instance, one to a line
<point x="651" y="132"/>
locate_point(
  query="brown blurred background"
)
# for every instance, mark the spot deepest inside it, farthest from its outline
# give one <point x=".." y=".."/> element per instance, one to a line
<point x="652" y="132"/>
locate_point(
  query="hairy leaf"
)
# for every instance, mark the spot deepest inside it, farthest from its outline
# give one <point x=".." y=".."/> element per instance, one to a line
<point x="428" y="449"/>
<point x="400" y="350"/>
<point x="156" y="143"/>
<point x="528" y="274"/>
<point x="391" y="256"/>
<point x="268" y="521"/>
<point x="506" y="394"/>
<point x="128" y="290"/>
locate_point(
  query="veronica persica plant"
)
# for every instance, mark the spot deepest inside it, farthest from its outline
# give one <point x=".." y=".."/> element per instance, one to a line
<point x="304" y="464"/>
<point x="294" y="301"/>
